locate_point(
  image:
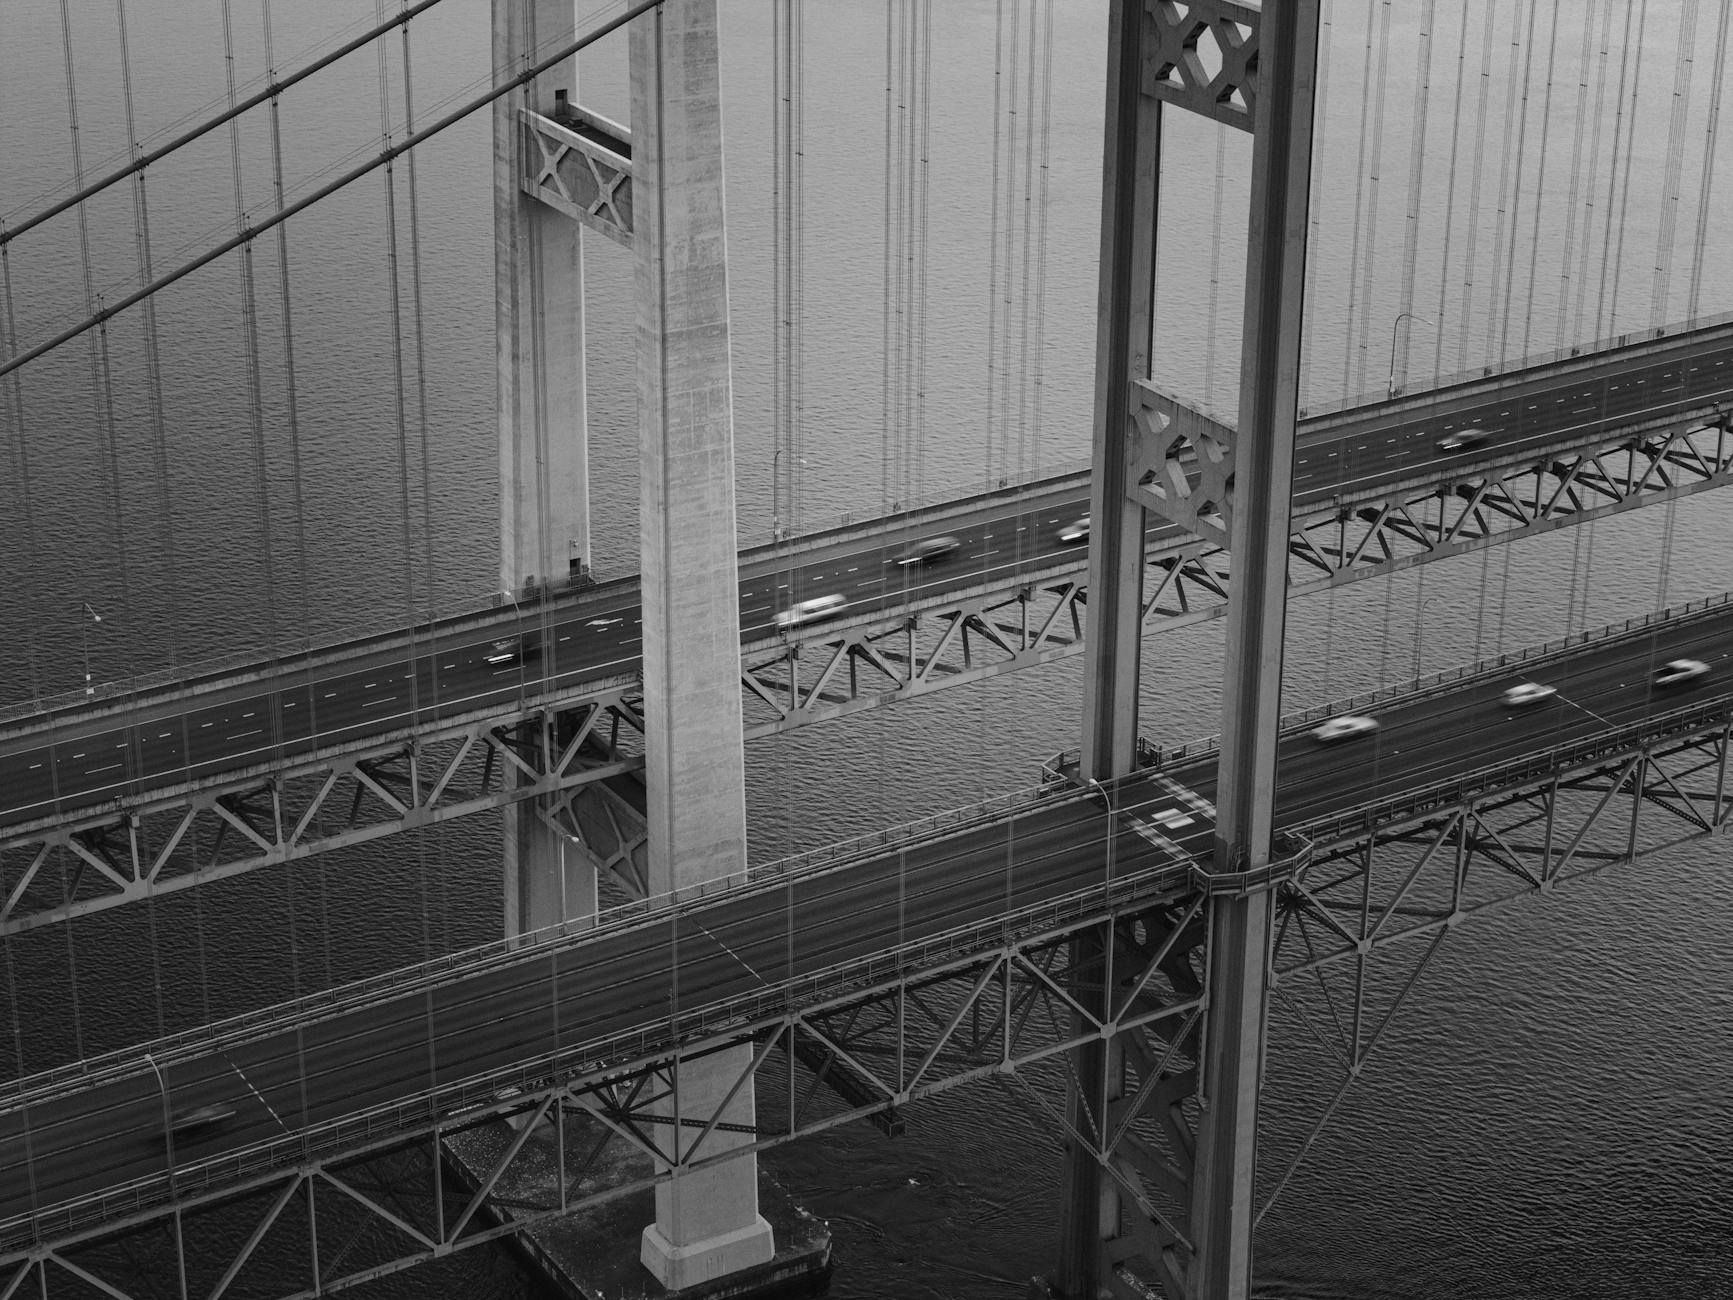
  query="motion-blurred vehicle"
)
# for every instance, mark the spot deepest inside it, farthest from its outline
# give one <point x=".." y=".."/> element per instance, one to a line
<point x="1462" y="440"/>
<point x="1676" y="672"/>
<point x="199" y="1120"/>
<point x="1346" y="727"/>
<point x="930" y="549"/>
<point x="1522" y="695"/>
<point x="511" y="650"/>
<point x="811" y="611"/>
<point x="1075" y="531"/>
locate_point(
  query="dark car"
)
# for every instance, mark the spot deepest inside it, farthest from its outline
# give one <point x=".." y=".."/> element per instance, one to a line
<point x="199" y="1120"/>
<point x="929" y="549"/>
<point x="1462" y="440"/>
<point x="511" y="650"/>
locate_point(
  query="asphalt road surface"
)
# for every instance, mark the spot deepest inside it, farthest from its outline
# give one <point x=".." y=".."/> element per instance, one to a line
<point x="78" y="765"/>
<point x="84" y="1139"/>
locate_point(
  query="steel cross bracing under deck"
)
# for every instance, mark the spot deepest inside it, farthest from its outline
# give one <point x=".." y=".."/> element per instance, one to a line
<point x="841" y="668"/>
<point x="370" y="1194"/>
<point x="184" y="832"/>
<point x="330" y="799"/>
<point x="1386" y="883"/>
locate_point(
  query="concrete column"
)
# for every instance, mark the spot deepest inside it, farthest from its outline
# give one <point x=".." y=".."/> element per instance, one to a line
<point x="707" y="1224"/>
<point x="1129" y="174"/>
<point x="695" y="759"/>
<point x="1222" y="1179"/>
<point x="543" y="452"/>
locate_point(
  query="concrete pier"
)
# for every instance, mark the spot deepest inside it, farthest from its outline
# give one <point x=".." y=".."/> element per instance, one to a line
<point x="707" y="1223"/>
<point x="593" y="1253"/>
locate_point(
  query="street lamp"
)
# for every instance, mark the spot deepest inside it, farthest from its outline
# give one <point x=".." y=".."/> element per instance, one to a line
<point x="168" y="1132"/>
<point x="1394" y="326"/>
<point x="84" y="641"/>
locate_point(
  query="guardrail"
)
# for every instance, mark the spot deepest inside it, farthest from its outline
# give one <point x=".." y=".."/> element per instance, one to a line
<point x="658" y="908"/>
<point x="455" y="619"/>
<point x="1151" y="755"/>
<point x="613" y="1051"/>
<point x="1532" y="361"/>
<point x="1355" y="821"/>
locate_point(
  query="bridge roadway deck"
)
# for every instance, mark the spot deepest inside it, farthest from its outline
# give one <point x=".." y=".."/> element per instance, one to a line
<point x="51" y="768"/>
<point x="61" y="1141"/>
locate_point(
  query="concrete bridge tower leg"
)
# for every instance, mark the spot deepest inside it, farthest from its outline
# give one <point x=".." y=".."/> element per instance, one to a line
<point x="543" y="446"/>
<point x="1222" y="1209"/>
<point x="707" y="1222"/>
<point x="1286" y="36"/>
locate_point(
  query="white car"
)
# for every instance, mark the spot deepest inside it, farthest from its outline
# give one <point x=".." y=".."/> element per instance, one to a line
<point x="1345" y="727"/>
<point x="1075" y="531"/>
<point x="810" y="611"/>
<point x="1524" y="694"/>
<point x="1676" y="672"/>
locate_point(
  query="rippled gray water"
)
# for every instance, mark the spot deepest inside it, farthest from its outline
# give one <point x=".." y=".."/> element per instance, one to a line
<point x="1546" y="1119"/>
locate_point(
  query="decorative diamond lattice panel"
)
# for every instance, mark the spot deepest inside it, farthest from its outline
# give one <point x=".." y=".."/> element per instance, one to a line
<point x="1182" y="464"/>
<point x="1204" y="57"/>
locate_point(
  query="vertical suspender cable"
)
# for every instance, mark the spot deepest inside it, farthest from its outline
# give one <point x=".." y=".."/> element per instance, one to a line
<point x="1041" y="195"/>
<point x="1560" y="340"/>
<point x="12" y="406"/>
<point x="1508" y="188"/>
<point x="887" y="327"/>
<point x="1450" y="217"/>
<point x="1025" y="461"/>
<point x="395" y="292"/>
<point x="1314" y="216"/>
<point x="415" y="296"/>
<point x="1601" y="83"/>
<point x="1473" y="238"/>
<point x="1539" y="190"/>
<point x="1348" y="382"/>
<point x="1606" y="316"/>
<point x="1716" y="86"/>
<point x="924" y="71"/>
<point x="1625" y="180"/>
<point x="1682" y="66"/>
<point x="1416" y="170"/>
<point x="1212" y="317"/>
<point x="1373" y="176"/>
<point x="996" y="458"/>
<point x="250" y="328"/>
<point x="152" y="351"/>
<point x="1015" y="126"/>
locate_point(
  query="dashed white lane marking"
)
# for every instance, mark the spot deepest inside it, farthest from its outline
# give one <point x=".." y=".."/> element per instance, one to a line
<point x="745" y="965"/>
<point x="240" y="1074"/>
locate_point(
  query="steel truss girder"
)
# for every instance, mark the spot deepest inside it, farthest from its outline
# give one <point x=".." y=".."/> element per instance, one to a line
<point x="905" y="1031"/>
<point x="825" y="676"/>
<point x="824" y="673"/>
<point x="1358" y="923"/>
<point x="156" y="846"/>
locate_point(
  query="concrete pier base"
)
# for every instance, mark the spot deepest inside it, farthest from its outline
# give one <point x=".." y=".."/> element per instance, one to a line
<point x="595" y="1253"/>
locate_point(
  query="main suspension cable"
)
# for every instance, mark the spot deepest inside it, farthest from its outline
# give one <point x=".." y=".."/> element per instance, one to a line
<point x="271" y="222"/>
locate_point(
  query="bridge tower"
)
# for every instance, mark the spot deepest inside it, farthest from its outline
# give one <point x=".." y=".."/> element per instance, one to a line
<point x="1231" y="485"/>
<point x="544" y="474"/>
<point x="657" y="189"/>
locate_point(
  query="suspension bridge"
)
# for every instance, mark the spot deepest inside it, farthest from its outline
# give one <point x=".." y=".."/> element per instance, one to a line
<point x="1106" y="946"/>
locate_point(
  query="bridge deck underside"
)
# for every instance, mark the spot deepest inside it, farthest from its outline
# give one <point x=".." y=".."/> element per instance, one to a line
<point x="1385" y="880"/>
